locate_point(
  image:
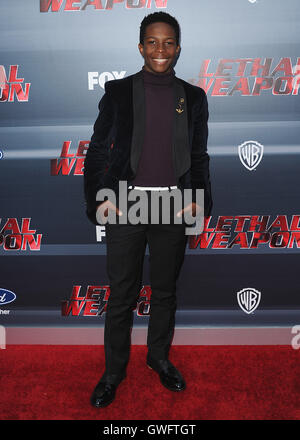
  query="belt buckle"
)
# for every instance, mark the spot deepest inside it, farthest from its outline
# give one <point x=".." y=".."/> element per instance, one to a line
<point x="155" y="188"/>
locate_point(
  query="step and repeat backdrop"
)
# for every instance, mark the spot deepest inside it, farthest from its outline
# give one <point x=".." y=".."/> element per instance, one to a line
<point x="56" y="56"/>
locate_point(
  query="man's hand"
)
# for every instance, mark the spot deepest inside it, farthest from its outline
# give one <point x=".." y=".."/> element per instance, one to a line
<point x="192" y="209"/>
<point x="103" y="209"/>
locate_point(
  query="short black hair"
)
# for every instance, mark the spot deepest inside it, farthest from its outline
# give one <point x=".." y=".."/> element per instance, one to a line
<point x="159" y="17"/>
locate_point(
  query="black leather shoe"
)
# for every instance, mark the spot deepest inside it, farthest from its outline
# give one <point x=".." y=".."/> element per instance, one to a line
<point x="169" y="376"/>
<point x="105" y="391"/>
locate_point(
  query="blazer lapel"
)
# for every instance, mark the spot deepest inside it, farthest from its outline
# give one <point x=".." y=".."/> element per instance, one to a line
<point x="138" y="120"/>
<point x="181" y="150"/>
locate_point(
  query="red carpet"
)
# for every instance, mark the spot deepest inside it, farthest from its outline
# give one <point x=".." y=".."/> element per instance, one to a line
<point x="223" y="383"/>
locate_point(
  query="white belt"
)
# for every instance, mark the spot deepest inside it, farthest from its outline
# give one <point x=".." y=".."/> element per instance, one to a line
<point x="153" y="188"/>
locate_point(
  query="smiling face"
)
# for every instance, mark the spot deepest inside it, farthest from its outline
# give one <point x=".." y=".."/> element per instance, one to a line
<point x="160" y="49"/>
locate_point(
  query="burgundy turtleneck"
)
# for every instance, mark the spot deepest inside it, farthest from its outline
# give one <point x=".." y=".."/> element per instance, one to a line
<point x="156" y="162"/>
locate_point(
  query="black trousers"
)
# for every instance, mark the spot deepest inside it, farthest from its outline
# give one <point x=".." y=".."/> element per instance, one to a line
<point x="126" y="244"/>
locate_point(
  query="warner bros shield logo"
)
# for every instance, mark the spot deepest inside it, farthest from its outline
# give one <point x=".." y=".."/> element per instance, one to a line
<point x="248" y="299"/>
<point x="251" y="153"/>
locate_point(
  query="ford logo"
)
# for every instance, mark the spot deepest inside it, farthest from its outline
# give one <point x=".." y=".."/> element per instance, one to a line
<point x="6" y="296"/>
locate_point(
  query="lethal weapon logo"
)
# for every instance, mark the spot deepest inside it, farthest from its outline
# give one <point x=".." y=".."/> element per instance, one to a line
<point x="14" y="237"/>
<point x="11" y="86"/>
<point x="249" y="232"/>
<point x="248" y="299"/>
<point x="94" y="302"/>
<point x="70" y="162"/>
<point x="99" y="5"/>
<point x="249" y="77"/>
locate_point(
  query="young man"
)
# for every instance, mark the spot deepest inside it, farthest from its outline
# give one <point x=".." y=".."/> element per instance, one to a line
<point x="152" y="133"/>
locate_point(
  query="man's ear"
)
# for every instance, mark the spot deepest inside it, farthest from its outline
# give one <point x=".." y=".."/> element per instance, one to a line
<point x="141" y="49"/>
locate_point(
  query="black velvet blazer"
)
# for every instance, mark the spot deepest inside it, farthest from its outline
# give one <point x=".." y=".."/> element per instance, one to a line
<point x="117" y="141"/>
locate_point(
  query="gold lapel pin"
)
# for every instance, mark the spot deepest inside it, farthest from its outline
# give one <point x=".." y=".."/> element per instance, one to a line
<point x="180" y="104"/>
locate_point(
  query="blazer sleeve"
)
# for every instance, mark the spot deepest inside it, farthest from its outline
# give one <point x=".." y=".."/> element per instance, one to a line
<point x="200" y="175"/>
<point x="97" y="156"/>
